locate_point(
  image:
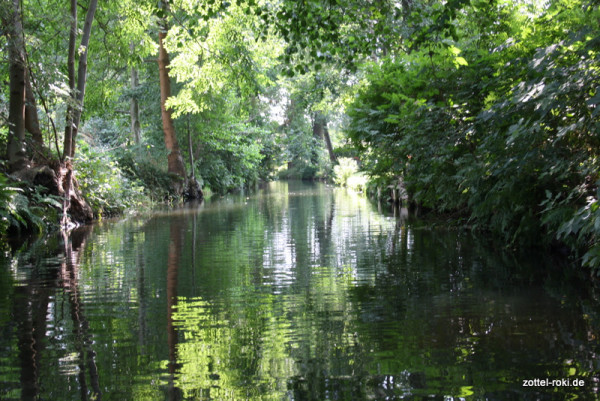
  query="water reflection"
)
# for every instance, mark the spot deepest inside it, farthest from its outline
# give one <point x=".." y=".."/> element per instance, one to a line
<point x="39" y="318"/>
<point x="298" y="292"/>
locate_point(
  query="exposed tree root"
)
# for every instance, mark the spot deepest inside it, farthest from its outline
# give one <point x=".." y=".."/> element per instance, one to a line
<point x="59" y="179"/>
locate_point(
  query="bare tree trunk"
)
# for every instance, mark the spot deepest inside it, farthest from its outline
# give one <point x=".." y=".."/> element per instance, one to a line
<point x="190" y="147"/>
<point x="32" y="122"/>
<point x="73" y="202"/>
<point x="71" y="74"/>
<point x="320" y="131"/>
<point x="328" y="143"/>
<point x="15" y="152"/>
<point x="134" y="108"/>
<point x="81" y="77"/>
<point x="175" y="160"/>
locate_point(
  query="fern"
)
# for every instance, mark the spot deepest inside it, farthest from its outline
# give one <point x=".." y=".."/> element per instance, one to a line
<point x="24" y="210"/>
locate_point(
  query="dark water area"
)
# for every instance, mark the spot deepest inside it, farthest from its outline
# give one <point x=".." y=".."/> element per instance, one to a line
<point x="297" y="292"/>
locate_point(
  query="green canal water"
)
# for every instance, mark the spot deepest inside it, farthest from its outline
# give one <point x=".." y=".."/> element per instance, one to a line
<point x="297" y="292"/>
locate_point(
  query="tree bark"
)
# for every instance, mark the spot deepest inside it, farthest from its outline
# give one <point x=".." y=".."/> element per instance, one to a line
<point x="328" y="143"/>
<point x="190" y="148"/>
<point x="81" y="77"/>
<point x="321" y="132"/>
<point x="15" y="152"/>
<point x="175" y="160"/>
<point x="71" y="75"/>
<point x="134" y="108"/>
<point x="32" y="122"/>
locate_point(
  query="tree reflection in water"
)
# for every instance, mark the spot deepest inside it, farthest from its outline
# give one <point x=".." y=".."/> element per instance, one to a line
<point x="302" y="292"/>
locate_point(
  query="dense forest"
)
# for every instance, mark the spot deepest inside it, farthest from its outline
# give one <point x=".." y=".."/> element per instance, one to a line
<point x="483" y="112"/>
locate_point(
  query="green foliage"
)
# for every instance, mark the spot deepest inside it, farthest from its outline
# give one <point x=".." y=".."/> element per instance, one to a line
<point x="299" y="172"/>
<point x="26" y="210"/>
<point x="139" y="164"/>
<point x="486" y="110"/>
<point x="104" y="133"/>
<point x="104" y="185"/>
<point x="584" y="229"/>
<point x="234" y="155"/>
<point x="345" y="168"/>
<point x="505" y="138"/>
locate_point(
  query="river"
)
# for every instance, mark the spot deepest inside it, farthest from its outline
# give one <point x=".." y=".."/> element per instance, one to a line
<point x="299" y="291"/>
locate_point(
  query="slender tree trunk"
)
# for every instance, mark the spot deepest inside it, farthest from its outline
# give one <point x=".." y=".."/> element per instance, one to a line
<point x="81" y="78"/>
<point x="328" y="144"/>
<point x="191" y="149"/>
<point x="71" y="75"/>
<point x="32" y="122"/>
<point x="15" y="152"/>
<point x="321" y="131"/>
<point x="175" y="160"/>
<point x="134" y="108"/>
<point x="73" y="202"/>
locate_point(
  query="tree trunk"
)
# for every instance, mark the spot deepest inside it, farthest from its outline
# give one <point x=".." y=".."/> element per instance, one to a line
<point x="71" y="75"/>
<point x="81" y="78"/>
<point x="32" y="122"/>
<point x="328" y="143"/>
<point x="175" y="160"/>
<point x="134" y="107"/>
<point x="15" y="152"/>
<point x="321" y="132"/>
<point x="191" y="149"/>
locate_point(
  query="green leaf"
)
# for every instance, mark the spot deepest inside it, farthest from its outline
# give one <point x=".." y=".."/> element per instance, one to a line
<point x="461" y="61"/>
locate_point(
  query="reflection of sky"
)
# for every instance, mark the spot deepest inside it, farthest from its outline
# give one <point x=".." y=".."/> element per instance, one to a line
<point x="343" y="228"/>
<point x="279" y="257"/>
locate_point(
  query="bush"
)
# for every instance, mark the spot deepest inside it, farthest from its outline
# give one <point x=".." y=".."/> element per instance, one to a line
<point x="584" y="231"/>
<point x="104" y="185"/>
<point x="344" y="170"/>
<point x="156" y="181"/>
<point x="299" y="172"/>
<point x="26" y="209"/>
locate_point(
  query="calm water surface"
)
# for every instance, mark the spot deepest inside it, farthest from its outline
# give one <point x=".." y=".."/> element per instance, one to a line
<point x="298" y="292"/>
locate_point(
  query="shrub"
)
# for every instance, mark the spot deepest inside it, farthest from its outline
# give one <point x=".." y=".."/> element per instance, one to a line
<point x="584" y="230"/>
<point x="104" y="185"/>
<point x="156" y="181"/>
<point x="344" y="170"/>
<point x="26" y="209"/>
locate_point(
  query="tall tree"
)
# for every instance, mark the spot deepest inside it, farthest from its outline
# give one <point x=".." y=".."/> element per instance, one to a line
<point x="175" y="160"/>
<point x="321" y="131"/>
<point x="15" y="154"/>
<point x="32" y="122"/>
<point x="77" y="89"/>
<point x="134" y="107"/>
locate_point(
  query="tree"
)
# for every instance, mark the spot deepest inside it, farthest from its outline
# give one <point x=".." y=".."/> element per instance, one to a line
<point x="175" y="160"/>
<point x="77" y="85"/>
<point x="16" y="154"/>
<point x="134" y="108"/>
